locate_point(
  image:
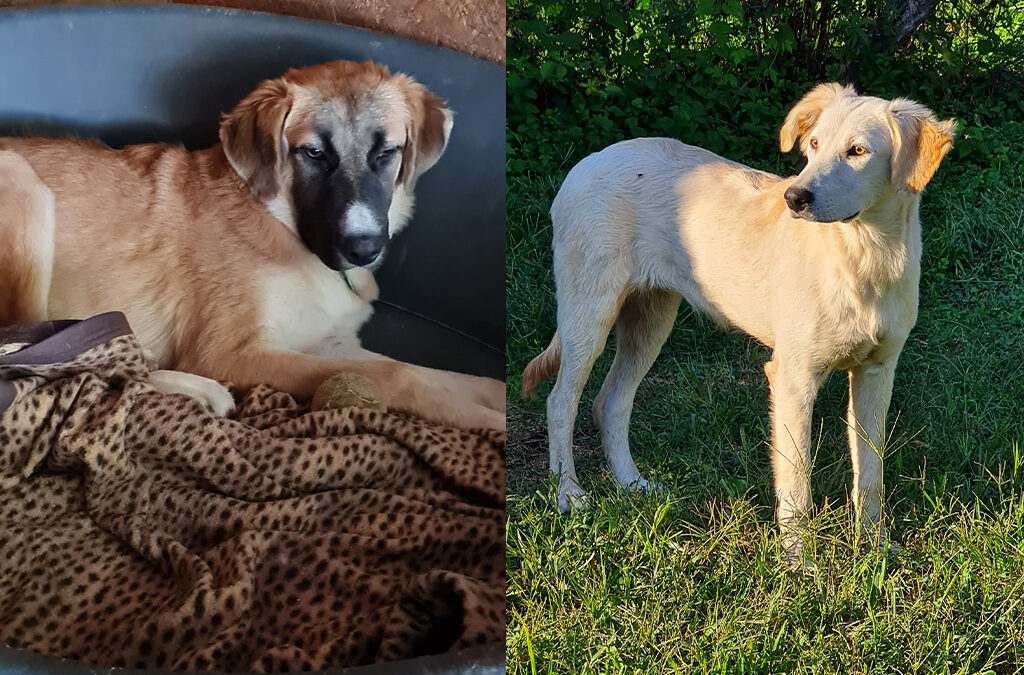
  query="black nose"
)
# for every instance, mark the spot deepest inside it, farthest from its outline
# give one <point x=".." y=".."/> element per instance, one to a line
<point x="799" y="198"/>
<point x="362" y="249"/>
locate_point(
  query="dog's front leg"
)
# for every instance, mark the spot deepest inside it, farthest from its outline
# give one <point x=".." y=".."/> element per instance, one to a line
<point x="347" y="348"/>
<point x="794" y="386"/>
<point x="870" y="392"/>
<point x="435" y="395"/>
<point x="212" y="394"/>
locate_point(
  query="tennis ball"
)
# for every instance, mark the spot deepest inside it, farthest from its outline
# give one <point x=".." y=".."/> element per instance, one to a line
<point x="348" y="390"/>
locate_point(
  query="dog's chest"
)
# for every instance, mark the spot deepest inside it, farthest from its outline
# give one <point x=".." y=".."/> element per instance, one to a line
<point x="873" y="332"/>
<point x="304" y="306"/>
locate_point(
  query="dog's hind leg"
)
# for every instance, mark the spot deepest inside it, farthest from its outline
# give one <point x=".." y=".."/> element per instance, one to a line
<point x="26" y="241"/>
<point x="583" y="325"/>
<point x="643" y="326"/>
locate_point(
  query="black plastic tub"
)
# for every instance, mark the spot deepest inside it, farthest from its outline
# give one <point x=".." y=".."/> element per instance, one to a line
<point x="141" y="73"/>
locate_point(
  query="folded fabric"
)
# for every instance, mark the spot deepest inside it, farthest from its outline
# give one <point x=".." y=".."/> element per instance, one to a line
<point x="136" y="529"/>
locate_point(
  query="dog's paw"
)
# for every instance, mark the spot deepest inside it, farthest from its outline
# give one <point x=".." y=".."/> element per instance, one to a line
<point x="463" y="392"/>
<point x="891" y="547"/>
<point x="572" y="497"/>
<point x="876" y="535"/>
<point x="218" y="400"/>
<point x="628" y="476"/>
<point x="798" y="562"/>
<point x="794" y="555"/>
<point x="210" y="393"/>
<point x="472" y="416"/>
<point x="795" y="559"/>
<point x="645" y="486"/>
<point x="881" y="542"/>
<point x="363" y="283"/>
<point x="496" y="394"/>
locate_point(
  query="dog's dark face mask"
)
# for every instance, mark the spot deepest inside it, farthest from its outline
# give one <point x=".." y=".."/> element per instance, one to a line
<point x="343" y="184"/>
<point x="334" y="152"/>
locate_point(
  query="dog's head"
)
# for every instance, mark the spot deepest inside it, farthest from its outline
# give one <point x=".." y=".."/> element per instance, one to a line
<point x="334" y="151"/>
<point x="859" y="150"/>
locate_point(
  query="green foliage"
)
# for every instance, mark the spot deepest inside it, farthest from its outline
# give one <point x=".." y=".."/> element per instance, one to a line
<point x="722" y="73"/>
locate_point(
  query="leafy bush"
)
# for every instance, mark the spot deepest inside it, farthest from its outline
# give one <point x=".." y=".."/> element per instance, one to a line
<point x="722" y="73"/>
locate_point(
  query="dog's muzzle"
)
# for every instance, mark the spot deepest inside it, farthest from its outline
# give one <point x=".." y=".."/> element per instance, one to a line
<point x="362" y="249"/>
<point x="799" y="200"/>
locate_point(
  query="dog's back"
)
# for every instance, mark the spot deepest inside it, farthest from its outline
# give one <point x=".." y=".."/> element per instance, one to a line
<point x="626" y="180"/>
<point x="642" y="212"/>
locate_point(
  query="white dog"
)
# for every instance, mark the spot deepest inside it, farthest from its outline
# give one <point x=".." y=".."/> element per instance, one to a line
<point x="822" y="268"/>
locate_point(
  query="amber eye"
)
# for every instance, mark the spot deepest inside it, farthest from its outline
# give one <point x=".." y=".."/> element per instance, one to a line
<point x="857" y="150"/>
<point x="814" y="143"/>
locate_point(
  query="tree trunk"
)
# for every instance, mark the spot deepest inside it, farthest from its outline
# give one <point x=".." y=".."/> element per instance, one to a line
<point x="895" y="24"/>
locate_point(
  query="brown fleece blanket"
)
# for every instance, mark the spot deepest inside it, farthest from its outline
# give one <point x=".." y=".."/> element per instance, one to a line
<point x="137" y="529"/>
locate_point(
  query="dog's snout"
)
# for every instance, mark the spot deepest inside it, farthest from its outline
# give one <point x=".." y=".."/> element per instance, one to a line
<point x="799" y="198"/>
<point x="362" y="249"/>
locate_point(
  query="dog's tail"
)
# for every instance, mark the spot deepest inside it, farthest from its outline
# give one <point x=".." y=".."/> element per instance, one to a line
<point x="543" y="366"/>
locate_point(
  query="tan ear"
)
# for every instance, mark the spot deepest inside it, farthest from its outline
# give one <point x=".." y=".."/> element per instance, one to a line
<point x="253" y="137"/>
<point x="426" y="135"/>
<point x="805" y="113"/>
<point x="920" y="141"/>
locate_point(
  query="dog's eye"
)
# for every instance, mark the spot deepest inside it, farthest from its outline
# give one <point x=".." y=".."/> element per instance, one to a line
<point x="814" y="144"/>
<point x="386" y="154"/>
<point x="311" y="152"/>
<point x="382" y="158"/>
<point x="856" y="150"/>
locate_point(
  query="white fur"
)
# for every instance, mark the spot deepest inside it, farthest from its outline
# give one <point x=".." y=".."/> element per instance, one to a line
<point x="280" y="206"/>
<point x="359" y="219"/>
<point x="209" y="392"/>
<point x="306" y="304"/>
<point x="400" y="210"/>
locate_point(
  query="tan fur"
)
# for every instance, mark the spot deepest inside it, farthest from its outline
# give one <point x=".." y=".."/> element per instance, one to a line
<point x="542" y="367"/>
<point x="183" y="242"/>
<point x="805" y="113"/>
<point x="828" y="281"/>
<point x="253" y="140"/>
<point x="924" y="141"/>
<point x="24" y="256"/>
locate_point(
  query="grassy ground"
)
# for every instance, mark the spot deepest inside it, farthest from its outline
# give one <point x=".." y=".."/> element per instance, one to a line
<point x="691" y="580"/>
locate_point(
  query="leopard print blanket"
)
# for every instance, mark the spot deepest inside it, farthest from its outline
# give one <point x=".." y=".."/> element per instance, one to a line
<point x="136" y="529"/>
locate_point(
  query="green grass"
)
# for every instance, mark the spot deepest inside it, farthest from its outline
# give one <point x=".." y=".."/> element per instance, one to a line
<point x="691" y="580"/>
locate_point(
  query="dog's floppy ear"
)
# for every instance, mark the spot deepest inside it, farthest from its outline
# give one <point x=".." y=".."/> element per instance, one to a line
<point x="426" y="135"/>
<point x="920" y="141"/>
<point x="253" y="137"/>
<point x="806" y="112"/>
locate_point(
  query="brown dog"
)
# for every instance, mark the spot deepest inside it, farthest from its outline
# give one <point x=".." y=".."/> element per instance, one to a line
<point x="231" y="262"/>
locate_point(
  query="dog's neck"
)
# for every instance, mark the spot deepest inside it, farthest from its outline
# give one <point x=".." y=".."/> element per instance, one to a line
<point x="892" y="214"/>
<point x="884" y="240"/>
<point x="280" y="206"/>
